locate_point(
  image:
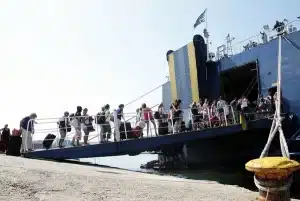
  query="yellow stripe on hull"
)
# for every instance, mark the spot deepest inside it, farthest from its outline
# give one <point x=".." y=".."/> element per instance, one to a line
<point x="193" y="72"/>
<point x="172" y="76"/>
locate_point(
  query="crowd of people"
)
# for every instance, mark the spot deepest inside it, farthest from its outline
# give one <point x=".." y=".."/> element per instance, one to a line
<point x="205" y="113"/>
<point x="202" y="114"/>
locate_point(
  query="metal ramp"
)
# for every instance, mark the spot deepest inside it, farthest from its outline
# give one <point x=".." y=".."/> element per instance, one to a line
<point x="129" y="147"/>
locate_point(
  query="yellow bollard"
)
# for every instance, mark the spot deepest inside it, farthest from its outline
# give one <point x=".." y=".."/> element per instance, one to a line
<point x="243" y="121"/>
<point x="273" y="177"/>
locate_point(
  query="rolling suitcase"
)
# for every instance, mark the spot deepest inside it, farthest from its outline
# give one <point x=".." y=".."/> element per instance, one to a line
<point x="14" y="146"/>
<point x="163" y="128"/>
<point x="129" y="132"/>
<point x="47" y="142"/>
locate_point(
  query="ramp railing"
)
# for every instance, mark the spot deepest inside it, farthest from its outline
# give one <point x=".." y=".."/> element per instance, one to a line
<point x="117" y="130"/>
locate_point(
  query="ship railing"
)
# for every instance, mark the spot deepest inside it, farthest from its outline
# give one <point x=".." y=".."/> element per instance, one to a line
<point x="128" y="117"/>
<point x="260" y="38"/>
<point x="250" y="116"/>
<point x="49" y="125"/>
<point x="210" y="119"/>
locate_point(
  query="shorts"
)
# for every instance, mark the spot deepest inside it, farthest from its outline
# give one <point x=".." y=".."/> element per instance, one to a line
<point x="62" y="133"/>
<point x="148" y="117"/>
<point x="78" y="134"/>
<point x="220" y="110"/>
<point x="106" y="128"/>
<point x="86" y="132"/>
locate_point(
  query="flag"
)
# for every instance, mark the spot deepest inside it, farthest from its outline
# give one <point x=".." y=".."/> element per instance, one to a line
<point x="200" y="19"/>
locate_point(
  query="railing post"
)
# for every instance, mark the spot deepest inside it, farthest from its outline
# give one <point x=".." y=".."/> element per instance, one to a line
<point x="125" y="130"/>
<point x="97" y="128"/>
<point x="117" y="126"/>
<point x="66" y="125"/>
<point x="57" y="139"/>
<point x="233" y="114"/>
<point x="209" y="117"/>
<point x="149" y="124"/>
<point x="26" y="137"/>
<point x="225" y="118"/>
<point x="191" y="118"/>
<point x="32" y="144"/>
<point x="172" y="124"/>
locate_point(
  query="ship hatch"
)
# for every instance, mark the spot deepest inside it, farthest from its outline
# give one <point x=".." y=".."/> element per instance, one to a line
<point x="239" y="81"/>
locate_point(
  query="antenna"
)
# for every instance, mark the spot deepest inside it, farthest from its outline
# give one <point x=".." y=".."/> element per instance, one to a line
<point x="229" y="40"/>
<point x="266" y="28"/>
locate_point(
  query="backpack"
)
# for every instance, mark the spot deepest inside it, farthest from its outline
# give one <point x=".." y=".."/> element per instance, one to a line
<point x="156" y="115"/>
<point x="16" y="132"/>
<point x="100" y="118"/>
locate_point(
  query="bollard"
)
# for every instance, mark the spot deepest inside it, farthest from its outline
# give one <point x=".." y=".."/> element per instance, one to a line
<point x="273" y="177"/>
<point x="243" y="121"/>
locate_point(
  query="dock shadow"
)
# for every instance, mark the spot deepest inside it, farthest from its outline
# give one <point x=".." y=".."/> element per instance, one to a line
<point x="236" y="176"/>
<point x="88" y="164"/>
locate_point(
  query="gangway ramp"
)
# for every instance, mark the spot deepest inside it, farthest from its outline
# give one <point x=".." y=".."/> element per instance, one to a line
<point x="129" y="147"/>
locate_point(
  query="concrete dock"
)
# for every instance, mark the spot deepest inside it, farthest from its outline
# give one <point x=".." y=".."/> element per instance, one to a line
<point x="34" y="180"/>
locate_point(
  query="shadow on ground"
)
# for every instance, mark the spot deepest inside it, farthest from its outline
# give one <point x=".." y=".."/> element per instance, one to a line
<point x="237" y="176"/>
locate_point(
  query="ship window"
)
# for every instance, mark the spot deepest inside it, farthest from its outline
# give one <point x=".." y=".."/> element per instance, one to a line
<point x="239" y="81"/>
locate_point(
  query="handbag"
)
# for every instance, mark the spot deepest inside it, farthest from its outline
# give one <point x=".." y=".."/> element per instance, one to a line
<point x="69" y="128"/>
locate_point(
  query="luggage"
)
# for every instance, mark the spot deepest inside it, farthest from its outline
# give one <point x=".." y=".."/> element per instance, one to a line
<point x="128" y="131"/>
<point x="2" y="146"/>
<point x="156" y="115"/>
<point x="47" y="142"/>
<point x="141" y="124"/>
<point x="90" y="127"/>
<point x="16" y="132"/>
<point x="183" y="127"/>
<point x="163" y="128"/>
<point x="14" y="146"/>
<point x="137" y="132"/>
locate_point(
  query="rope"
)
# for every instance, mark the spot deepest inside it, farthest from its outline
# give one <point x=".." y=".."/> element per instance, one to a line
<point x="276" y="124"/>
<point x="291" y="43"/>
<point x="144" y="94"/>
<point x="273" y="186"/>
<point x="250" y="86"/>
<point x="295" y="135"/>
<point x="253" y="84"/>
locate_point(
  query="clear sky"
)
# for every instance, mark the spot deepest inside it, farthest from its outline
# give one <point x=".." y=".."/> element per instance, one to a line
<point x="57" y="54"/>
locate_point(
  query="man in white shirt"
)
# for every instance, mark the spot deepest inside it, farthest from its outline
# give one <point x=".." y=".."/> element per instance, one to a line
<point x="220" y="105"/>
<point x="244" y="104"/>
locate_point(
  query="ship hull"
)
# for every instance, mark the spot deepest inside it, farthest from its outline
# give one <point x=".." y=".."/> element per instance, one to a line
<point x="234" y="149"/>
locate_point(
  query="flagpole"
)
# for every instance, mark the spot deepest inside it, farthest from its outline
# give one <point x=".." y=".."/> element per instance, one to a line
<point x="207" y="42"/>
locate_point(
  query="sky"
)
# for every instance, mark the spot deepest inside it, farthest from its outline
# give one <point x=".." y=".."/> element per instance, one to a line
<point x="57" y="54"/>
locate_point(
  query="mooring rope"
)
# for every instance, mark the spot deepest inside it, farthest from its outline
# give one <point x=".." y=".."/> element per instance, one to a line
<point x="273" y="186"/>
<point x="276" y="124"/>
